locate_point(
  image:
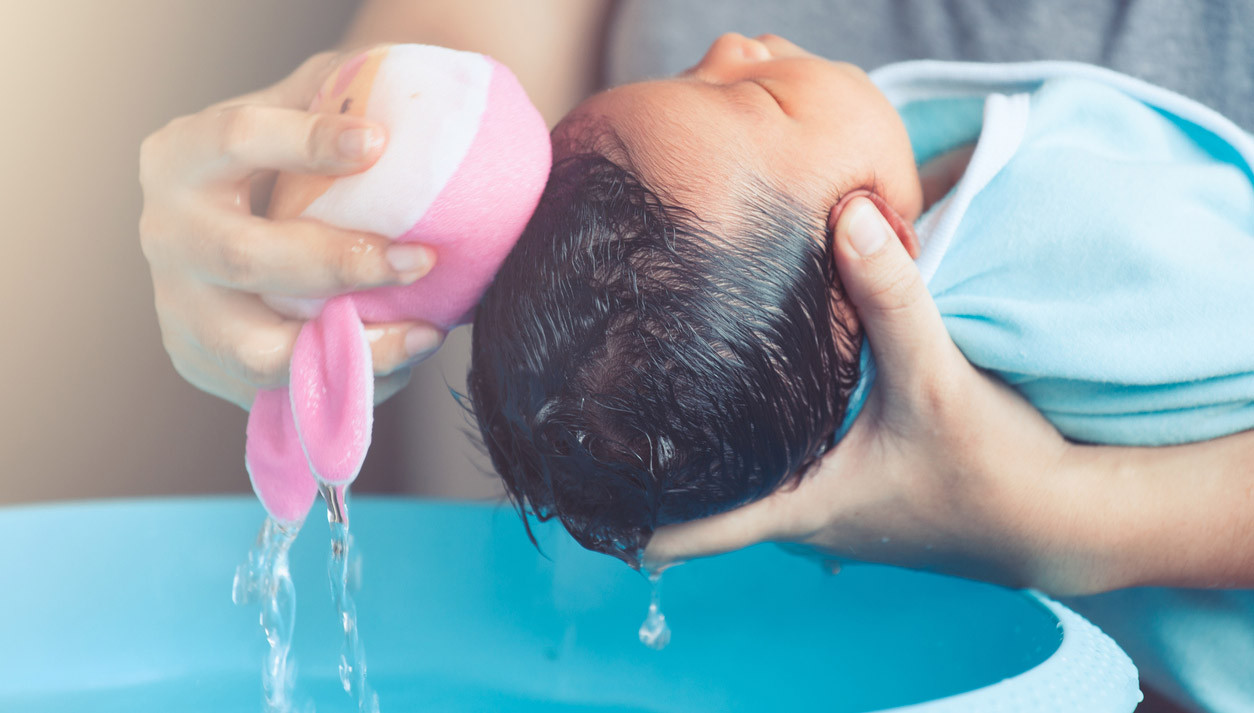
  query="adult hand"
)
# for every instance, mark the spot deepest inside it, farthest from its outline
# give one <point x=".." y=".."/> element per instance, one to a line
<point x="945" y="469"/>
<point x="211" y="257"/>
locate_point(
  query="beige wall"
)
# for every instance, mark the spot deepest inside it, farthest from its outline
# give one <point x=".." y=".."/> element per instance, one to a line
<point x="89" y="403"/>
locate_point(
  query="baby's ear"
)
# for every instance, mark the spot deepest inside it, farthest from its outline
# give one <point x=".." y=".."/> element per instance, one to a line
<point x="901" y="226"/>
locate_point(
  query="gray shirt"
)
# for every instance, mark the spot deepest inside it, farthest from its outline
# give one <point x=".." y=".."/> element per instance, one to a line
<point x="1203" y="49"/>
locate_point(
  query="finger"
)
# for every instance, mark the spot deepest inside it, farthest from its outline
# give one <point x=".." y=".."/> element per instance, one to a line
<point x="901" y="321"/>
<point x="385" y="387"/>
<point x="221" y="341"/>
<point x="228" y="143"/>
<point x="400" y="345"/>
<point x="297" y="90"/>
<point x="193" y="364"/>
<point x="236" y="331"/>
<point x="209" y="376"/>
<point x="760" y="521"/>
<point x="826" y="561"/>
<point x="297" y="256"/>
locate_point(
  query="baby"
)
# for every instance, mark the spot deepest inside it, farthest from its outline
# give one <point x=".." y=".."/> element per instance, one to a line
<point x="669" y="339"/>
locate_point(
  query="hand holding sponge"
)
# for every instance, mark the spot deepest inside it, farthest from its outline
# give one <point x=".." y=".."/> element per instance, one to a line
<point x="467" y="158"/>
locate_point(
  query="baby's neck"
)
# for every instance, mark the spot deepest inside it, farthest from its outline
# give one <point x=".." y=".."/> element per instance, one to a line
<point x="940" y="174"/>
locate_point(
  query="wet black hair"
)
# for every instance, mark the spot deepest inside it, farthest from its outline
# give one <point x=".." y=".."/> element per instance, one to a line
<point x="631" y="368"/>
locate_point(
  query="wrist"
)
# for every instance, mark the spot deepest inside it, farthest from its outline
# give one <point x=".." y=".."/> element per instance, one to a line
<point x="1121" y="517"/>
<point x="1060" y="522"/>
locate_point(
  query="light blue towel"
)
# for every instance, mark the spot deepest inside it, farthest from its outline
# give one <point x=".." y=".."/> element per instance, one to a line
<point x="1107" y="270"/>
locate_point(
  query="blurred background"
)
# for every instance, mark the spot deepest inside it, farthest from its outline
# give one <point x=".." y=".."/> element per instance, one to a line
<point x="90" y="405"/>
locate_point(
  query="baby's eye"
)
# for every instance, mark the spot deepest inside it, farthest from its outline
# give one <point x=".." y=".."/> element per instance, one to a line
<point x="347" y="103"/>
<point x="769" y="93"/>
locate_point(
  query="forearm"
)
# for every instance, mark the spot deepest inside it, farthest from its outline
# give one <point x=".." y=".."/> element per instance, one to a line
<point x="1179" y="516"/>
<point x="553" y="46"/>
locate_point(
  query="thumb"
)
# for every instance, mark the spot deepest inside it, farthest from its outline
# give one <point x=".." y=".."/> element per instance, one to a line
<point x="900" y="319"/>
<point x="297" y="90"/>
<point x="760" y="521"/>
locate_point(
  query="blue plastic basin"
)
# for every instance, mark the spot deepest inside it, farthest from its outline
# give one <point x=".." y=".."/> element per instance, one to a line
<point x="126" y="606"/>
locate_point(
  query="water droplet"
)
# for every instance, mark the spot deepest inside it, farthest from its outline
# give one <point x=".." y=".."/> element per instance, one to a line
<point x="654" y="632"/>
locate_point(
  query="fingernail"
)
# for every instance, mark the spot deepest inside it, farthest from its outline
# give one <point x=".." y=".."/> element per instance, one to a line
<point x="868" y="231"/>
<point x="356" y="144"/>
<point x="421" y="341"/>
<point x="411" y="261"/>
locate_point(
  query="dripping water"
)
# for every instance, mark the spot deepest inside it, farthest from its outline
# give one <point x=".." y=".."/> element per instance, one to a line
<point x="265" y="578"/>
<point x="342" y="571"/>
<point x="654" y="632"/>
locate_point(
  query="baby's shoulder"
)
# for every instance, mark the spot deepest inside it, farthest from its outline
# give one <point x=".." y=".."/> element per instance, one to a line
<point x="1089" y="100"/>
<point x="1091" y="116"/>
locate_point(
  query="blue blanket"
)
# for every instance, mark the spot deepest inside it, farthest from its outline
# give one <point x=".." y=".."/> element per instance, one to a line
<point x="1106" y="270"/>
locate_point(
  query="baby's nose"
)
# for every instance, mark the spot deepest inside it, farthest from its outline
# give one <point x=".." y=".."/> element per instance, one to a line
<point x="734" y="48"/>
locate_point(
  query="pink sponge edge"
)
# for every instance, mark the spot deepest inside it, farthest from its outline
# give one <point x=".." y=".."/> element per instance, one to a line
<point x="477" y="217"/>
<point x="277" y="466"/>
<point x="332" y="391"/>
<point x="323" y="423"/>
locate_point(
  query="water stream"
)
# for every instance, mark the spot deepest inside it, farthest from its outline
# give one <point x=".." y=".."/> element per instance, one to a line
<point x="342" y="573"/>
<point x="352" y="652"/>
<point x="265" y="578"/>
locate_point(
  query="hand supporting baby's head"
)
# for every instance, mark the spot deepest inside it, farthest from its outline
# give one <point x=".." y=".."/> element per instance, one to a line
<point x="633" y="368"/>
<point x="667" y="339"/>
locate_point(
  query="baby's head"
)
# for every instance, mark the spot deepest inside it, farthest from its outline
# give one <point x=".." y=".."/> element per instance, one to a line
<point x="668" y="339"/>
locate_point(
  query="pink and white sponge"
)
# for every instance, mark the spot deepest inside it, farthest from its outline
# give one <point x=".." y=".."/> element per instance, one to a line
<point x="466" y="160"/>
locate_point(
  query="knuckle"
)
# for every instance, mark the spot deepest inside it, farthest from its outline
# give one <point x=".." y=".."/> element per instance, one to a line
<point x="155" y="152"/>
<point x="347" y="266"/>
<point x="343" y="268"/>
<point x="895" y="290"/>
<point x="206" y="382"/>
<point x="176" y="350"/>
<point x="236" y="265"/>
<point x="175" y="339"/>
<point x="323" y="130"/>
<point x="260" y="364"/>
<point x="152" y="151"/>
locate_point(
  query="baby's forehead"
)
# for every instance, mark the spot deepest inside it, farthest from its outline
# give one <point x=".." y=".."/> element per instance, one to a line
<point x="683" y="161"/>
